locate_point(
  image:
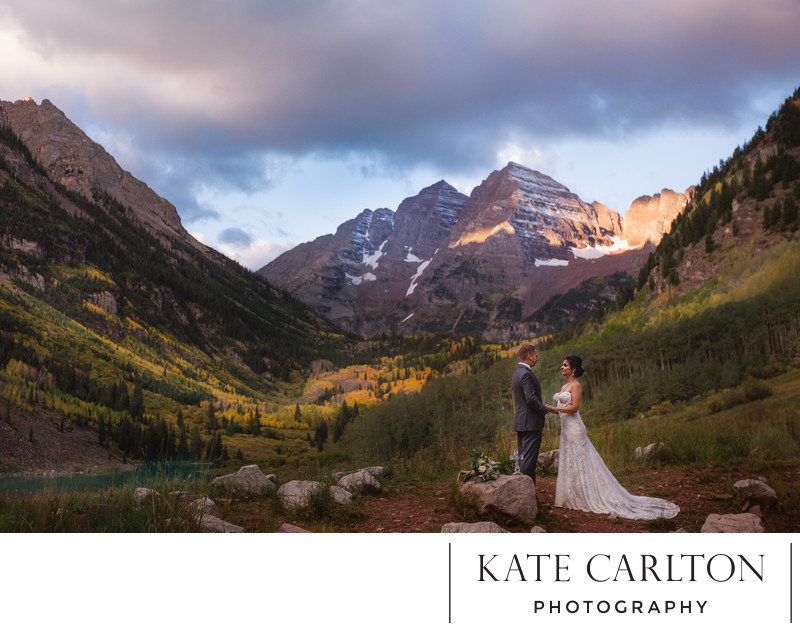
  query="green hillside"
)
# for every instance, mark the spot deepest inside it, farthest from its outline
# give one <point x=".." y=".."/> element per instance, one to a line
<point x="106" y="326"/>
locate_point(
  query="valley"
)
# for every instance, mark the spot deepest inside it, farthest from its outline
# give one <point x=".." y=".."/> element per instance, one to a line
<point x="123" y="340"/>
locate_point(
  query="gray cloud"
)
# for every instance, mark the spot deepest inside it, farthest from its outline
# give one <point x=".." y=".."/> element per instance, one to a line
<point x="235" y="236"/>
<point x="210" y="86"/>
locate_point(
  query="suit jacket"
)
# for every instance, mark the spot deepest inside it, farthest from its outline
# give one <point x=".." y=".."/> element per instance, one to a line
<point x="529" y="410"/>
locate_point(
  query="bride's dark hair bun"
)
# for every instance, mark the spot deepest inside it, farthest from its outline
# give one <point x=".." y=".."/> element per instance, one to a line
<point x="576" y="363"/>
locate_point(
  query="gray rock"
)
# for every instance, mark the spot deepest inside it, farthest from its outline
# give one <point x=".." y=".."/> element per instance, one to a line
<point x="744" y="522"/>
<point x="291" y="528"/>
<point x="249" y="480"/>
<point x="22" y="274"/>
<point x="209" y="523"/>
<point x="206" y="506"/>
<point x="295" y="494"/>
<point x="537" y="529"/>
<point x="511" y="495"/>
<point x="359" y="481"/>
<point x="341" y="496"/>
<point x="755" y="491"/>
<point x="104" y="300"/>
<point x="141" y="494"/>
<point x="479" y="527"/>
<point x="548" y="460"/>
<point x="377" y="472"/>
<point x="650" y="452"/>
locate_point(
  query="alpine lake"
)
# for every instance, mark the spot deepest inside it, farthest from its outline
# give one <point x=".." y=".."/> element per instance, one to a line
<point x="141" y="475"/>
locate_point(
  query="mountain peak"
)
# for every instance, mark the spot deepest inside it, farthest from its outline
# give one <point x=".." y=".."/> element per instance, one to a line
<point x="649" y="217"/>
<point x="468" y="264"/>
<point x="531" y="177"/>
<point x="71" y="158"/>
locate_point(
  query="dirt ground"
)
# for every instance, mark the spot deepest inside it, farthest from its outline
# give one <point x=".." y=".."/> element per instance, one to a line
<point x="426" y="506"/>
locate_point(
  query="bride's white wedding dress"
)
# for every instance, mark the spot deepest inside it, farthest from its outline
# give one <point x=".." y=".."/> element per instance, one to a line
<point x="585" y="483"/>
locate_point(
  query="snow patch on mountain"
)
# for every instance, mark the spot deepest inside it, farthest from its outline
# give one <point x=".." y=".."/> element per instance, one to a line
<point x="364" y="278"/>
<point x="416" y="276"/>
<point x="596" y="251"/>
<point x="551" y="262"/>
<point x="372" y="259"/>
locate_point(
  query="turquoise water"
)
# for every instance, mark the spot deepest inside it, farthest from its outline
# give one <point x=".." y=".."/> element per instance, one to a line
<point x="33" y="484"/>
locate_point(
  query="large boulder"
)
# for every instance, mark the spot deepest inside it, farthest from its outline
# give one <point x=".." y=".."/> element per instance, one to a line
<point x="511" y="495"/>
<point x="744" y="522"/>
<point x="249" y="480"/>
<point x="755" y="491"/>
<point x="209" y="523"/>
<point x="376" y="472"/>
<point x="206" y="506"/>
<point x="479" y="527"/>
<point x="341" y="496"/>
<point x="360" y="481"/>
<point x="296" y="494"/>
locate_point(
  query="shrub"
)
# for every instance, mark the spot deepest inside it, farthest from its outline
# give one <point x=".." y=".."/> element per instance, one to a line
<point x="750" y="390"/>
<point x="665" y="407"/>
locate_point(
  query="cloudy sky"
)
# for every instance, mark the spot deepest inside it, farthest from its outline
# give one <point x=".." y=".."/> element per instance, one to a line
<point x="270" y="122"/>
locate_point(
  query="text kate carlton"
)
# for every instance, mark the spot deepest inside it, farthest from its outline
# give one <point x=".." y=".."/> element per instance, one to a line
<point x="600" y="568"/>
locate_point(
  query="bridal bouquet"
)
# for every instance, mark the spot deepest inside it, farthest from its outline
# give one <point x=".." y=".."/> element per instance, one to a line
<point x="481" y="469"/>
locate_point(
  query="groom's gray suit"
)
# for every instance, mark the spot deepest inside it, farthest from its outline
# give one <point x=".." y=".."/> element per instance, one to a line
<point x="529" y="416"/>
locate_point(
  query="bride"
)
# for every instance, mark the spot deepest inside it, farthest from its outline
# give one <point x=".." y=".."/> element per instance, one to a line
<point x="584" y="482"/>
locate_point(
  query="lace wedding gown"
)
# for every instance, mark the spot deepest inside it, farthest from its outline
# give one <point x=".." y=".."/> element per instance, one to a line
<point x="585" y="483"/>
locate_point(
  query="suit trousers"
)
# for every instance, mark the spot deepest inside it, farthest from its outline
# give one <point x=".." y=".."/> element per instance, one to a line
<point x="528" y="444"/>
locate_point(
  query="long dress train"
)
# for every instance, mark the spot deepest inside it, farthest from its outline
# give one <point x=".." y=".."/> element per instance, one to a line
<point x="585" y="483"/>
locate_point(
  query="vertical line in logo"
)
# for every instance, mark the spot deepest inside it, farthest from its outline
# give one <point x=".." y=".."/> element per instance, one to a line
<point x="449" y="583"/>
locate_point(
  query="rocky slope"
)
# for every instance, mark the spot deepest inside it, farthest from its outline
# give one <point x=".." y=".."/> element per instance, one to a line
<point x="479" y="264"/>
<point x="71" y="158"/>
<point x="83" y="242"/>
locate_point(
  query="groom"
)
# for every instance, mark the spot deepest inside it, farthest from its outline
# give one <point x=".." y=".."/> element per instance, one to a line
<point x="529" y="410"/>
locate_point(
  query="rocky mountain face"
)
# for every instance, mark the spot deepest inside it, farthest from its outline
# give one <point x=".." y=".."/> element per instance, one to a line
<point x="479" y="264"/>
<point x="71" y="158"/>
<point x="351" y="276"/>
<point x="649" y="218"/>
<point x="87" y="238"/>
